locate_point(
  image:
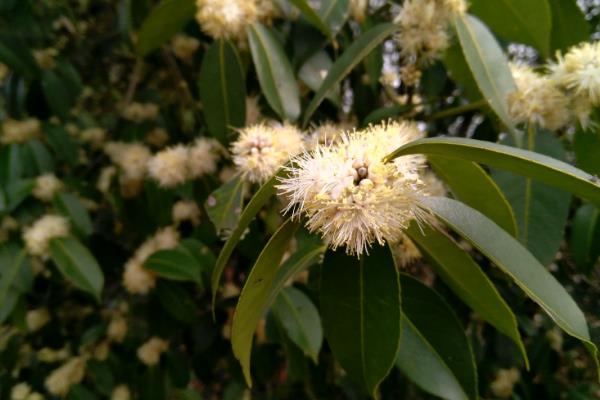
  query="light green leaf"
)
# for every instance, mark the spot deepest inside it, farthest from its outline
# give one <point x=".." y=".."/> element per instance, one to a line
<point x="165" y="20"/>
<point x="224" y="206"/>
<point x="311" y="16"/>
<point x="466" y="279"/>
<point x="300" y="319"/>
<point x="526" y="163"/>
<point x="361" y="315"/>
<point x="70" y="206"/>
<point x="530" y="20"/>
<point x="511" y="257"/>
<point x="275" y="74"/>
<point x="569" y="26"/>
<point x="356" y="52"/>
<point x="459" y="71"/>
<point x="176" y="264"/>
<point x="254" y="298"/>
<point x="435" y="353"/>
<point x="77" y="264"/>
<point x="487" y="63"/>
<point x="334" y="13"/>
<point x="222" y="90"/>
<point x="314" y="71"/>
<point x="462" y="177"/>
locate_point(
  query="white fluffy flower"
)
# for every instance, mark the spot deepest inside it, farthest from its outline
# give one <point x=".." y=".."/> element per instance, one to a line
<point x="186" y="210"/>
<point x="579" y="71"/>
<point x="350" y="195"/>
<point x="169" y="167"/>
<point x="139" y="112"/>
<point x="131" y="158"/>
<point x="203" y="155"/>
<point x="38" y="236"/>
<point x="261" y="150"/>
<point x="46" y="186"/>
<point x="324" y="134"/>
<point x="70" y="373"/>
<point x="149" y="353"/>
<point x="184" y="47"/>
<point x="14" y="131"/>
<point x="36" y="319"/>
<point x="120" y="392"/>
<point x="20" y="391"/>
<point x="226" y="19"/>
<point x="117" y="329"/>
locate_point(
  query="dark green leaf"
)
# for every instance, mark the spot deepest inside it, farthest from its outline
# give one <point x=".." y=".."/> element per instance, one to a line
<point x="70" y="206"/>
<point x="41" y="158"/>
<point x="11" y="166"/>
<point x="57" y="94"/>
<point x="569" y="26"/>
<point x="585" y="237"/>
<point x="587" y="148"/>
<point x="12" y="260"/>
<point x="224" y="206"/>
<point x="176" y="264"/>
<point x="62" y="143"/>
<point x="176" y="301"/>
<point x="17" y="191"/>
<point x="360" y="310"/>
<point x="334" y="14"/>
<point x="312" y="16"/>
<point x="222" y="90"/>
<point x="16" y="55"/>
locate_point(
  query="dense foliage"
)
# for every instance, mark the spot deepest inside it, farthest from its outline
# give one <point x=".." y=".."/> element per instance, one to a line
<point x="288" y="199"/>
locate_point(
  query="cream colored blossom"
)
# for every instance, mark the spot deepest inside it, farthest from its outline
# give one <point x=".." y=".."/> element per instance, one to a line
<point x="20" y="391"/>
<point x="117" y="329"/>
<point x="186" y="210"/>
<point x="204" y="154"/>
<point x="46" y="186"/>
<point x="138" y="280"/>
<point x="38" y="236"/>
<point x="505" y="381"/>
<point x="537" y="100"/>
<point x="105" y="179"/>
<point x="157" y="137"/>
<point x="579" y="71"/>
<point x="131" y="158"/>
<point x="14" y="131"/>
<point x="226" y="19"/>
<point x="36" y="319"/>
<point x="45" y="57"/>
<point x="149" y="353"/>
<point x="169" y="167"/>
<point x="358" y="8"/>
<point x="139" y="112"/>
<point x="261" y="150"/>
<point x="49" y="355"/>
<point x="324" y="134"/>
<point x="184" y="47"/>
<point x="94" y="136"/>
<point x="350" y="196"/>
<point x="405" y="251"/>
<point x="120" y="392"/>
<point x="70" y="373"/>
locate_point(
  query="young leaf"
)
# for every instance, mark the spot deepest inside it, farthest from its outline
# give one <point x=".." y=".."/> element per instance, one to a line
<point x="255" y="295"/>
<point x="300" y="319"/>
<point x="360" y="310"/>
<point x="275" y="74"/>
<point x="487" y="62"/>
<point x="511" y="257"/>
<point x="462" y="274"/>
<point x="70" y="206"/>
<point x="224" y="206"/>
<point x="527" y="163"/>
<point x="435" y="333"/>
<point x="353" y="55"/>
<point x="222" y="90"/>
<point x="77" y="264"/>
<point x="165" y="20"/>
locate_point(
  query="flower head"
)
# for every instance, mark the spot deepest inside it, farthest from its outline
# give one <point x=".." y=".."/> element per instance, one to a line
<point x="204" y="155"/>
<point x="226" y="19"/>
<point x="131" y="158"/>
<point x="70" y="373"/>
<point x="261" y="150"/>
<point x="579" y="71"/>
<point x="14" y="131"/>
<point x="149" y="353"/>
<point x="38" y="236"/>
<point x="169" y="167"/>
<point x="350" y="195"/>
<point x="46" y="186"/>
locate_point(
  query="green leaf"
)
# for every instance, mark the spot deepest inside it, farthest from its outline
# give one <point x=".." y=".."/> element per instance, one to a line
<point x="511" y="257"/>
<point x="222" y="90"/>
<point x="260" y="198"/>
<point x="587" y="147"/>
<point x="462" y="177"/>
<point x="585" y="237"/>
<point x="77" y="264"/>
<point x="356" y="52"/>
<point x="487" y="63"/>
<point x="11" y="166"/>
<point x="334" y="13"/>
<point x="275" y="74"/>
<point x="57" y="94"/>
<point x="165" y="20"/>
<point x="436" y="353"/>
<point x="361" y="314"/>
<point x="176" y="301"/>
<point x="203" y="255"/>
<point x="314" y="71"/>
<point x="569" y="26"/>
<point x="384" y="113"/>
<point x="466" y="279"/>
<point x="527" y="163"/>
<point x="62" y="143"/>
<point x="224" y="206"/>
<point x="254" y="298"/>
<point x="17" y="191"/>
<point x="177" y="264"/>
<point x="530" y="20"/>
<point x="300" y="319"/>
<point x="12" y="259"/>
<point x="16" y="55"/>
<point x="311" y="16"/>
<point x="459" y="71"/>
<point x="541" y="210"/>
<point x="70" y="206"/>
<point x="40" y="156"/>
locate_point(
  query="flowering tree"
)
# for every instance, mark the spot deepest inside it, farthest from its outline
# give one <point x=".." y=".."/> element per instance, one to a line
<point x="299" y="199"/>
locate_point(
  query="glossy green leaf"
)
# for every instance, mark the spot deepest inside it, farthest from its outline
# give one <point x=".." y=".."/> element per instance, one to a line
<point x="354" y="54"/>
<point x="260" y="198"/>
<point x="70" y="206"/>
<point x="436" y="353"/>
<point x="466" y="279"/>
<point x="300" y="320"/>
<point x="57" y="94"/>
<point x="12" y="260"/>
<point x="40" y="156"/>
<point x="361" y="315"/>
<point x="487" y="63"/>
<point x="64" y="146"/>
<point x="541" y="210"/>
<point x="11" y="164"/>
<point x="254" y="298"/>
<point x="224" y="206"/>
<point x="334" y="14"/>
<point x="275" y="74"/>
<point x="585" y="237"/>
<point x="587" y="147"/>
<point x="176" y="264"/>
<point x="530" y="20"/>
<point x="462" y="176"/>
<point x="222" y="90"/>
<point x="526" y="163"/>
<point x="459" y="71"/>
<point x="77" y="264"/>
<point x="569" y="26"/>
<point x="516" y="261"/>
<point x="314" y="71"/>
<point x="165" y="20"/>
<point x="311" y="16"/>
